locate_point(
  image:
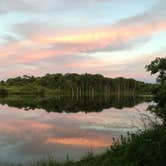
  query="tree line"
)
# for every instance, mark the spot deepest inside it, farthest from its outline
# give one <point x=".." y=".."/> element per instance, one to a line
<point x="76" y="84"/>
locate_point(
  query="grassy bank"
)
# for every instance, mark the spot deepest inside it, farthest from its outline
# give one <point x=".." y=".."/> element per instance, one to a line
<point x="147" y="148"/>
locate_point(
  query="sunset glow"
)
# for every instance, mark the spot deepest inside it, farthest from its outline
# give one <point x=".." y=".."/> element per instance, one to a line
<point x="79" y="142"/>
<point x="82" y="37"/>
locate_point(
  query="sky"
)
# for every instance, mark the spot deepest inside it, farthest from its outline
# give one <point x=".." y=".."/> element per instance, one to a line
<point x="109" y="37"/>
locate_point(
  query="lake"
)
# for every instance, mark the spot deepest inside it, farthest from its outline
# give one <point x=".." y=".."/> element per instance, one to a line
<point x="33" y="128"/>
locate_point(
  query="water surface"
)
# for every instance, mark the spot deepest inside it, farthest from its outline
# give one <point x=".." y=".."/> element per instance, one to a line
<point x="33" y="128"/>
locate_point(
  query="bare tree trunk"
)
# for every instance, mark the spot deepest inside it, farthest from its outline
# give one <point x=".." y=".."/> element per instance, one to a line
<point x="77" y="92"/>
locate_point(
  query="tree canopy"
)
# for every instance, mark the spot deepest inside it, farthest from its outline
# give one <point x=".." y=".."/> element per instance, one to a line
<point x="76" y="84"/>
<point x="159" y="66"/>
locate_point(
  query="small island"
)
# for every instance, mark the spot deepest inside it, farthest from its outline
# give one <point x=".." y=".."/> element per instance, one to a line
<point x="74" y="85"/>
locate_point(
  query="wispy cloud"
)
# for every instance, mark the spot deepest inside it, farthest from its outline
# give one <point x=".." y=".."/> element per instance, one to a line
<point x="31" y="45"/>
<point x="43" y="46"/>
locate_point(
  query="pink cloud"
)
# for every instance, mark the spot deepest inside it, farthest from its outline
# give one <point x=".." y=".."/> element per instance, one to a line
<point x="40" y="47"/>
<point x="37" y="48"/>
<point x="90" y="142"/>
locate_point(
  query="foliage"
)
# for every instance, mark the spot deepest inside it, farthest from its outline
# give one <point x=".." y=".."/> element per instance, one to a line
<point x="75" y="85"/>
<point x="159" y="66"/>
<point x="3" y="92"/>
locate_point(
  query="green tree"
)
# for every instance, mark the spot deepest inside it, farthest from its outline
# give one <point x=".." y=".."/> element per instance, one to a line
<point x="159" y="66"/>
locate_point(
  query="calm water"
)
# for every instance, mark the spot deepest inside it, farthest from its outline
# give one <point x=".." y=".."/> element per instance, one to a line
<point x="33" y="128"/>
